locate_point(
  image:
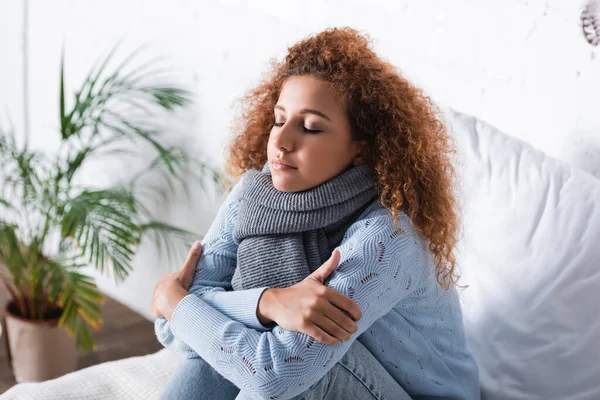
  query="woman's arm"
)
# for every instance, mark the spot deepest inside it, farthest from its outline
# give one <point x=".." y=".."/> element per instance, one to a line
<point x="212" y="280"/>
<point x="376" y="266"/>
<point x="240" y="306"/>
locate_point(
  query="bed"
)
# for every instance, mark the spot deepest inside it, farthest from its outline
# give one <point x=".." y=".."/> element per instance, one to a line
<point x="530" y="253"/>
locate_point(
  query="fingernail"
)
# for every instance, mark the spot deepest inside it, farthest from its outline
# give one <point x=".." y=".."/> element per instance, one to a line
<point x="197" y="245"/>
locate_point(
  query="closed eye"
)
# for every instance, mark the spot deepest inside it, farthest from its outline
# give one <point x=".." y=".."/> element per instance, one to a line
<point x="311" y="130"/>
<point x="280" y="124"/>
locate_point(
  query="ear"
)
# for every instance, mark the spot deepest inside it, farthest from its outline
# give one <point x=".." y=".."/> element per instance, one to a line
<point x="359" y="158"/>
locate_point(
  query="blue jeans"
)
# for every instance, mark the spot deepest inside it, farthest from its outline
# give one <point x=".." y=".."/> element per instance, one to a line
<point x="358" y="375"/>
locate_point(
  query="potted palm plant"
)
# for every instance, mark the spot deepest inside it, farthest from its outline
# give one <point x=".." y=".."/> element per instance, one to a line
<point x="52" y="223"/>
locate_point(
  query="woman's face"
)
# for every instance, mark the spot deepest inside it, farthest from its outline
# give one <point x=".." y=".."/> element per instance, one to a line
<point x="311" y="135"/>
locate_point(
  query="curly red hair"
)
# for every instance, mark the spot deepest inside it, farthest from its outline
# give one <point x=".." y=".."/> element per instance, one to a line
<point x="408" y="146"/>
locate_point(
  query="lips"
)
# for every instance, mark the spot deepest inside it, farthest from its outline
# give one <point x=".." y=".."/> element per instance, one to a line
<point x="283" y="163"/>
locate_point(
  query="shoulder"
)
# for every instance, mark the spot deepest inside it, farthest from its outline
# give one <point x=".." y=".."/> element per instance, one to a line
<point x="375" y="241"/>
<point x="232" y="197"/>
<point x="378" y="221"/>
<point x="240" y="186"/>
<point x="227" y="212"/>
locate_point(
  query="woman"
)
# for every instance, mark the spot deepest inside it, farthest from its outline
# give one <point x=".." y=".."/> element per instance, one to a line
<point x="342" y="227"/>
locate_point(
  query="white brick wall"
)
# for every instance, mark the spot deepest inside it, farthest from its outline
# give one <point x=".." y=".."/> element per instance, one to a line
<point x="522" y="65"/>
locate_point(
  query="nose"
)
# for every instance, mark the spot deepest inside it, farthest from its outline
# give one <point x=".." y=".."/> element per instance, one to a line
<point x="283" y="138"/>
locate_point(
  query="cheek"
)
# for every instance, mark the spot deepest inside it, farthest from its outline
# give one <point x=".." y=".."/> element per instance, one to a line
<point x="320" y="154"/>
<point x="334" y="154"/>
<point x="326" y="159"/>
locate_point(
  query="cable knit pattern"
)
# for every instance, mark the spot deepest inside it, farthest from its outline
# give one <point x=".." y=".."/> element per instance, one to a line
<point x="410" y="324"/>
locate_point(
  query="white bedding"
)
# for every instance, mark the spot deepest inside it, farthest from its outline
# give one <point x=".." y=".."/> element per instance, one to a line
<point x="129" y="379"/>
<point x="531" y="253"/>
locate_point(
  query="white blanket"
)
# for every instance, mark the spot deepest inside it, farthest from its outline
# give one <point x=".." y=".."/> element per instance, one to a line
<point x="132" y="378"/>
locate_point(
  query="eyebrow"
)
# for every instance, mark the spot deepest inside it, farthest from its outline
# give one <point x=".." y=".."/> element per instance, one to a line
<point x="307" y="111"/>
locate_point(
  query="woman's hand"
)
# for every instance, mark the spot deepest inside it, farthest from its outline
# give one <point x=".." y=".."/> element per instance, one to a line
<point x="312" y="308"/>
<point x="173" y="286"/>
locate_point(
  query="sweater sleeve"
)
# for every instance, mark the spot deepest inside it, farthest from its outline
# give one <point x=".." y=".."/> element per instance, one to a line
<point x="212" y="280"/>
<point x="376" y="268"/>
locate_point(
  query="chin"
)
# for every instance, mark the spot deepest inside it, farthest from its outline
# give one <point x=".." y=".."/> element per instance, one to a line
<point x="283" y="186"/>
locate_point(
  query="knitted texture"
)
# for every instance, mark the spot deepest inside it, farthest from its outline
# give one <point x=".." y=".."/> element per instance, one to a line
<point x="284" y="236"/>
<point x="409" y="323"/>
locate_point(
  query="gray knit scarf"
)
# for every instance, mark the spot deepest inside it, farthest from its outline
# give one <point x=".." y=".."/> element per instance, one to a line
<point x="282" y="237"/>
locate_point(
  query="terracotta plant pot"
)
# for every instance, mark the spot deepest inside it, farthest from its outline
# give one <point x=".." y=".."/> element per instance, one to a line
<point x="38" y="350"/>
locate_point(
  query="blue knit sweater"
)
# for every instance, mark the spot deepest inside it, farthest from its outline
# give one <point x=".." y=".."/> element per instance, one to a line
<point x="409" y="323"/>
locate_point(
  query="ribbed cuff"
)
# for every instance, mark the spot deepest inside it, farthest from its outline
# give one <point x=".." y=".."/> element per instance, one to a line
<point x="162" y="331"/>
<point x="239" y="305"/>
<point x="194" y="322"/>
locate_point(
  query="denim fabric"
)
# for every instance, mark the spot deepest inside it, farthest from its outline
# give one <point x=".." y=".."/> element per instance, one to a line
<point x="358" y="375"/>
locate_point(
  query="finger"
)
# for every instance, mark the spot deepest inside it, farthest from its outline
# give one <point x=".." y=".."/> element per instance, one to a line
<point x="331" y="327"/>
<point x="153" y="309"/>
<point x="327" y="268"/>
<point x="316" y="332"/>
<point x="344" y="303"/>
<point x="192" y="257"/>
<point x="338" y="317"/>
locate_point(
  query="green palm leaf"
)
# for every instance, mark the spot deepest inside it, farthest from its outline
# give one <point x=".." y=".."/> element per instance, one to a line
<point x="50" y="226"/>
<point x="101" y="224"/>
<point x="169" y="238"/>
<point x="78" y="297"/>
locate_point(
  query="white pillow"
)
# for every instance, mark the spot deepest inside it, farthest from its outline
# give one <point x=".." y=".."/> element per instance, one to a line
<point x="531" y="255"/>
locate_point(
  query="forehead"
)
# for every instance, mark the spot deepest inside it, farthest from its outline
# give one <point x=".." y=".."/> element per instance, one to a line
<point x="300" y="92"/>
